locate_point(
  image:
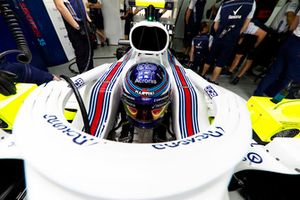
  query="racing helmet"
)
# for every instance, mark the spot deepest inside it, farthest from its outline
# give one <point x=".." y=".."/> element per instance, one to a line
<point x="146" y="94"/>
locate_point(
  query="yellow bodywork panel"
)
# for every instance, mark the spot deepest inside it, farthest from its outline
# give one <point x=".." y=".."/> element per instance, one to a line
<point x="269" y="118"/>
<point x="10" y="105"/>
<point x="146" y="3"/>
<point x="70" y="114"/>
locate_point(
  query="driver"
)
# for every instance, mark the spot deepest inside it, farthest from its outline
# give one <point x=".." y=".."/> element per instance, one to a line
<point x="146" y="97"/>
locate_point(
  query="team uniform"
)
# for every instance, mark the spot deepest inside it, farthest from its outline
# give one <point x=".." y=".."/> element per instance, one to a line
<point x="26" y="73"/>
<point x="286" y="67"/>
<point x="231" y="17"/>
<point x="200" y="43"/>
<point x="83" y="51"/>
<point x="277" y="34"/>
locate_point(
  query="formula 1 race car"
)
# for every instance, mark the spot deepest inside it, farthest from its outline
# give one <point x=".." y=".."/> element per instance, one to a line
<point x="145" y="128"/>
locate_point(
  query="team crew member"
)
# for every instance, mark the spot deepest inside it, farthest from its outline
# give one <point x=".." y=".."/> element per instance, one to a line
<point x="233" y="18"/>
<point x="276" y="35"/>
<point x="27" y="73"/>
<point x="200" y="48"/>
<point x="247" y="45"/>
<point x="195" y="12"/>
<point x="74" y="16"/>
<point x="287" y="65"/>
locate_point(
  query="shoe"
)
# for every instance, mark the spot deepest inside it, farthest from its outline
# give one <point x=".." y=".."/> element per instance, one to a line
<point x="214" y="82"/>
<point x="226" y="72"/>
<point x="235" y="80"/>
<point x="258" y="70"/>
<point x="204" y="77"/>
<point x="102" y="44"/>
<point x="107" y="42"/>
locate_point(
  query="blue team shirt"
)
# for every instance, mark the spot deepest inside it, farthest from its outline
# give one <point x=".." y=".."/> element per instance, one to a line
<point x="201" y="49"/>
<point x="233" y="14"/>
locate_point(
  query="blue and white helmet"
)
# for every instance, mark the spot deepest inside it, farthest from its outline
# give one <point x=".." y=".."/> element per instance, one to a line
<point x="146" y="94"/>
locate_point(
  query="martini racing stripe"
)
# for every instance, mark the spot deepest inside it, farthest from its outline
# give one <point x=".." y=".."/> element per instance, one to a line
<point x="188" y="102"/>
<point x="101" y="93"/>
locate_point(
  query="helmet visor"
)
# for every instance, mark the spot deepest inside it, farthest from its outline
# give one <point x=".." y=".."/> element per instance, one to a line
<point x="145" y="114"/>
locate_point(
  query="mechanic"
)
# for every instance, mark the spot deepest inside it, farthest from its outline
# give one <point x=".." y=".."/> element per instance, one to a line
<point x="286" y="67"/>
<point x="145" y="101"/>
<point x="12" y="72"/>
<point x="232" y="19"/>
<point x="75" y="18"/>
<point x="247" y="45"/>
<point x="277" y="35"/>
<point x="200" y="48"/>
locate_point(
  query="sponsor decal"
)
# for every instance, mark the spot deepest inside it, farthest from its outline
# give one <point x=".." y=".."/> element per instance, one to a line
<point x="79" y="82"/>
<point x="254" y="157"/>
<point x="199" y="45"/>
<point x="144" y="92"/>
<point x="145" y="75"/>
<point x="237" y="10"/>
<point x="210" y="91"/>
<point x="32" y="23"/>
<point x="161" y="98"/>
<point x="235" y="16"/>
<point x="216" y="133"/>
<point x="146" y="66"/>
<point x="76" y="137"/>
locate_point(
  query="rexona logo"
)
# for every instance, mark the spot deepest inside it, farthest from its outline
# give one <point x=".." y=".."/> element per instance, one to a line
<point x="199" y="45"/>
<point x="216" y="132"/>
<point x="76" y="137"/>
<point x="235" y="16"/>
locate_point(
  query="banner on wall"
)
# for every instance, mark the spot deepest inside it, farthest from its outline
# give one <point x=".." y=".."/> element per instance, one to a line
<point x="46" y="36"/>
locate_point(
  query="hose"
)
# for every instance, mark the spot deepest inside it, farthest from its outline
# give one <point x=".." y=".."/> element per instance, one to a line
<point x="24" y="54"/>
<point x="80" y="102"/>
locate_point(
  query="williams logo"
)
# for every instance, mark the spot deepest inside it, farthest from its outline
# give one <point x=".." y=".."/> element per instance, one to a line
<point x="235" y="12"/>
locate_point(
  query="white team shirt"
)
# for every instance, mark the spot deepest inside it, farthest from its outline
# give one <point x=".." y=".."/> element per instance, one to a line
<point x="279" y="23"/>
<point x="251" y="29"/>
<point x="297" y="30"/>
